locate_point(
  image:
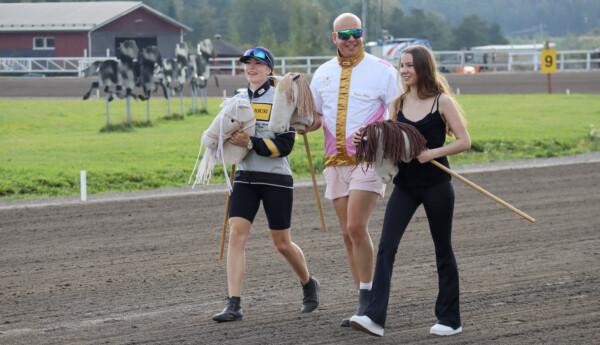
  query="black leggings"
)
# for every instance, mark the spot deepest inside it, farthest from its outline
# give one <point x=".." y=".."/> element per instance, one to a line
<point x="438" y="201"/>
<point x="277" y="202"/>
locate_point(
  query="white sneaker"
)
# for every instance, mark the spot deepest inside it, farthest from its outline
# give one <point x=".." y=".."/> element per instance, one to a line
<point x="365" y="324"/>
<point x="442" y="330"/>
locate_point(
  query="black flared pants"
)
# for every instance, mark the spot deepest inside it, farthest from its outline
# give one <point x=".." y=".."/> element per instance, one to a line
<point x="438" y="202"/>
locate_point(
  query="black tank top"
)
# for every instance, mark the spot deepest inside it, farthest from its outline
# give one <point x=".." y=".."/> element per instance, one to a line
<point x="433" y="128"/>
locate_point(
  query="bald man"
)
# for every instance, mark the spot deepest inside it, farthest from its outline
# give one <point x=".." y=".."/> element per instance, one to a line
<point x="350" y="91"/>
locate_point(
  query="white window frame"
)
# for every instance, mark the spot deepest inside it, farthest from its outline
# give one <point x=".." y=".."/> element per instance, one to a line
<point x="45" y="43"/>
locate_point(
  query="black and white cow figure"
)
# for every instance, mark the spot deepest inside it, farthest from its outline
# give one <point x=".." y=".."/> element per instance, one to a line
<point x="199" y="73"/>
<point x="107" y="73"/>
<point x="148" y="62"/>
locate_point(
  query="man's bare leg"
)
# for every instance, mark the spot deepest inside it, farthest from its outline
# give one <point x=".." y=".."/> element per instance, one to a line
<point x="341" y="209"/>
<point x="353" y="213"/>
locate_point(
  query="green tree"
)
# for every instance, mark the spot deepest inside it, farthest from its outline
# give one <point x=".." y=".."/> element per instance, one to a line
<point x="267" y="38"/>
<point x="308" y="29"/>
<point x="471" y="32"/>
<point x="245" y="17"/>
<point x="495" y="35"/>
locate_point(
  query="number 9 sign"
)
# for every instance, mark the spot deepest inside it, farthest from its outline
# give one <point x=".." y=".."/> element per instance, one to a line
<point x="548" y="59"/>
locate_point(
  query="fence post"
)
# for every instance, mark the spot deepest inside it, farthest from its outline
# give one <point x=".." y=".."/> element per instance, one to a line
<point x="588" y="62"/>
<point x="83" y="185"/>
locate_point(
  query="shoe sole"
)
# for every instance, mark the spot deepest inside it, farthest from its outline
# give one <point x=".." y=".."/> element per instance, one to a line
<point x="454" y="332"/>
<point x="357" y="326"/>
<point x="227" y="320"/>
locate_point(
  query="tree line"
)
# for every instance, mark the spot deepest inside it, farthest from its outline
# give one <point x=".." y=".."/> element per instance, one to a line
<point x="303" y="27"/>
<point x="522" y="18"/>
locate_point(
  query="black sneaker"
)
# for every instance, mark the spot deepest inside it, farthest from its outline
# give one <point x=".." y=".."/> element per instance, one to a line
<point x="310" y="290"/>
<point x="364" y="297"/>
<point x="232" y="311"/>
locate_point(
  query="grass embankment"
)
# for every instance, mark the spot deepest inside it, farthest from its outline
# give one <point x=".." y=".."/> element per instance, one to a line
<point x="45" y="143"/>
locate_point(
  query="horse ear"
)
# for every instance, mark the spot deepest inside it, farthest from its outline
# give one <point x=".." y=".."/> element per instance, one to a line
<point x="295" y="76"/>
<point x="275" y="78"/>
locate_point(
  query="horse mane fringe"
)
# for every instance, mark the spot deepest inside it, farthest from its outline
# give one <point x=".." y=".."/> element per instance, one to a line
<point x="366" y="151"/>
<point x="203" y="167"/>
<point x="286" y="86"/>
<point x="399" y="140"/>
<point x="412" y="137"/>
<point x="305" y="105"/>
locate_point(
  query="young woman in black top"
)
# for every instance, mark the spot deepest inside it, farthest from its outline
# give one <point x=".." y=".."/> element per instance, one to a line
<point x="428" y="105"/>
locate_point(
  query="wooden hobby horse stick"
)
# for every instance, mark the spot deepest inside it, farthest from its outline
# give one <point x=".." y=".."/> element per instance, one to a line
<point x="227" y="203"/>
<point x="391" y="142"/>
<point x="483" y="191"/>
<point x="314" y="182"/>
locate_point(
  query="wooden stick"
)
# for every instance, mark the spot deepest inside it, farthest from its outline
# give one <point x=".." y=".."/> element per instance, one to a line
<point x="483" y="191"/>
<point x="226" y="218"/>
<point x="314" y="182"/>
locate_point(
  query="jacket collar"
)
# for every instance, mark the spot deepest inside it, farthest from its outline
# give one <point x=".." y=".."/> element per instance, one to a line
<point x="260" y="91"/>
<point x="350" y="61"/>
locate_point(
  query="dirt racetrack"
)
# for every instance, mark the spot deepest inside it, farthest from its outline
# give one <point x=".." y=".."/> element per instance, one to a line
<point x="146" y="271"/>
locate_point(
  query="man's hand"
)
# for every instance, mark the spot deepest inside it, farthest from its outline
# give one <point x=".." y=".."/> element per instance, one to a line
<point x="357" y="137"/>
<point x="317" y="122"/>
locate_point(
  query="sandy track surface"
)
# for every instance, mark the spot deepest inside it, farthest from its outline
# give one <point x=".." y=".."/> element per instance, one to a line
<point x="145" y="271"/>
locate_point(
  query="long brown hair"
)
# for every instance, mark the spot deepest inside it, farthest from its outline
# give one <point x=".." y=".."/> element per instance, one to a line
<point x="430" y="82"/>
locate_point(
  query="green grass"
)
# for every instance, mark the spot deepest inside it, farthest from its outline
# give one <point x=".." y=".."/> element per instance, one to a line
<point x="45" y="143"/>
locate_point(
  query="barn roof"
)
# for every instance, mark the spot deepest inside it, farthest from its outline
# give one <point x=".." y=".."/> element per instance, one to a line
<point x="226" y="49"/>
<point x="69" y="16"/>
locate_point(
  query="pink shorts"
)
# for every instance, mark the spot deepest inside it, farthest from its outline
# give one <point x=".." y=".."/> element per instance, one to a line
<point x="344" y="178"/>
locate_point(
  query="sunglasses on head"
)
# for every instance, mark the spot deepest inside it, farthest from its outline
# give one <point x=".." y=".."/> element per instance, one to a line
<point x="346" y="34"/>
<point x="257" y="53"/>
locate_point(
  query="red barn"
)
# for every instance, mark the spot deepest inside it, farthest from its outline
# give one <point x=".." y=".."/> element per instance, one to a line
<point x="72" y="29"/>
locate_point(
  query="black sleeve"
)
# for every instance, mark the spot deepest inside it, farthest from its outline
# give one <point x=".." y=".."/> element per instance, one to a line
<point x="280" y="146"/>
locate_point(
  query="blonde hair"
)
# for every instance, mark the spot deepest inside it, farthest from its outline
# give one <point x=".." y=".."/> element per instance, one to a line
<point x="430" y="82"/>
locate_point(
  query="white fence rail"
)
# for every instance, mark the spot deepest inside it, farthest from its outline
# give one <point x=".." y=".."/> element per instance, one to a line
<point x="46" y="66"/>
<point x="448" y="61"/>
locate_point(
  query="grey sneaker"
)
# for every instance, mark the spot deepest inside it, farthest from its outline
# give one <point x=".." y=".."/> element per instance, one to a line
<point x="310" y="290"/>
<point x="232" y="311"/>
